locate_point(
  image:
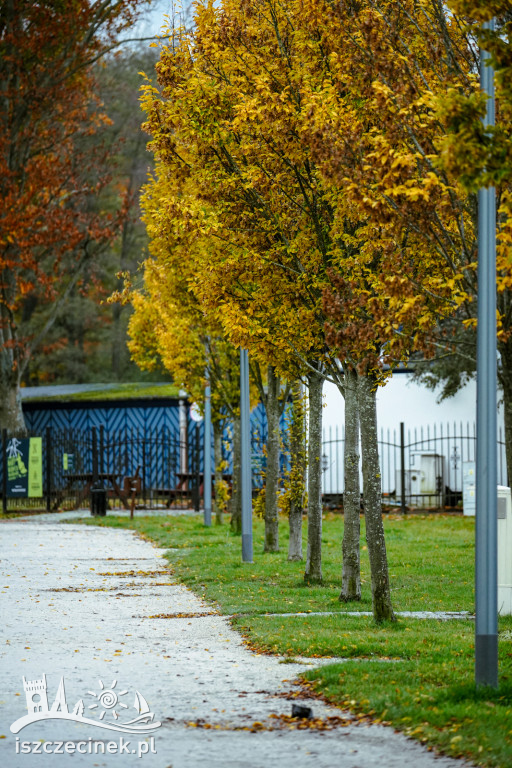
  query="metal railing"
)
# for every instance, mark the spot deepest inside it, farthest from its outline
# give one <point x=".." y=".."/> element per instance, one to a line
<point x="74" y="461"/>
<point x="420" y="467"/>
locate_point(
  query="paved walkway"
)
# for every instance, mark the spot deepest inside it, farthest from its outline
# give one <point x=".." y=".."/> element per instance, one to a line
<point x="78" y="603"/>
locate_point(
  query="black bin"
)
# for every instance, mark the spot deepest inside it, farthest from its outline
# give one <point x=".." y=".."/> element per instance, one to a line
<point x="98" y="502"/>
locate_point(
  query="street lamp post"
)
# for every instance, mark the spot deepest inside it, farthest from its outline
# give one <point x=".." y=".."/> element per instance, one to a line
<point x="207" y="454"/>
<point x="486" y="576"/>
<point x="245" y="457"/>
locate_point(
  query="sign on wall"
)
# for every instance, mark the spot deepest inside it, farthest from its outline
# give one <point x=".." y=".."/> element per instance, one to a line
<point x="68" y="462"/>
<point x="25" y="468"/>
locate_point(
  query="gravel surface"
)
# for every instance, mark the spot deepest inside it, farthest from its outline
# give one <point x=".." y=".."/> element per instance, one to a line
<point x="78" y="603"/>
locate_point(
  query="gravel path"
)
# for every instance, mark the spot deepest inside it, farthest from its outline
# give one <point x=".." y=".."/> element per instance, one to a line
<point x="78" y="604"/>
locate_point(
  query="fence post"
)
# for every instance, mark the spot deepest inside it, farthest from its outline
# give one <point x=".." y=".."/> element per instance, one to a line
<point x="48" y="469"/>
<point x="184" y="457"/>
<point x="4" y="471"/>
<point x="102" y="449"/>
<point x="94" y="457"/>
<point x="402" y="468"/>
<point x="144" y="467"/>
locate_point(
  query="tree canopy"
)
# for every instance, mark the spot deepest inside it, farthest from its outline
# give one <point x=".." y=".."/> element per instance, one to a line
<point x="51" y="168"/>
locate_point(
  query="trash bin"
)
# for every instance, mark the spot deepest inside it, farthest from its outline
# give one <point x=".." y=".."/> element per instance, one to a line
<point x="98" y="501"/>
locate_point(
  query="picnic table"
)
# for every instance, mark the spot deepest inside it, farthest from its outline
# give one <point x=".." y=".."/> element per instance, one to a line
<point x="191" y="477"/>
<point x="88" y="479"/>
<point x="187" y="485"/>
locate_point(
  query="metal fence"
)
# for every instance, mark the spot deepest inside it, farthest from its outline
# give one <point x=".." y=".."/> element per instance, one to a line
<point x="420" y="467"/>
<point x="76" y="461"/>
<point x="169" y="469"/>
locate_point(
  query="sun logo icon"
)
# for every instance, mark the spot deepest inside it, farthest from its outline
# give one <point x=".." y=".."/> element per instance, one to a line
<point x="108" y="700"/>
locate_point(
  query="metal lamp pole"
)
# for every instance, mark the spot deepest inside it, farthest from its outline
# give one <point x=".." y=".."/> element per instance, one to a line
<point x="207" y="454"/>
<point x="245" y="457"/>
<point x="486" y="576"/>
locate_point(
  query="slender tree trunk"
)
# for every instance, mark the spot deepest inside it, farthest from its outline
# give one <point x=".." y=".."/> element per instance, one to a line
<point x="507" y="413"/>
<point x="272" y="472"/>
<point x="351" y="571"/>
<point x="372" y="493"/>
<point x="236" y="496"/>
<point x="11" y="364"/>
<point x="505" y="381"/>
<point x="217" y="458"/>
<point x="11" y="412"/>
<point x="297" y="472"/>
<point x="313" y="572"/>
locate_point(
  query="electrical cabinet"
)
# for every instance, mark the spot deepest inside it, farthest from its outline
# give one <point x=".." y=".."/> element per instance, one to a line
<point x="468" y="488"/>
<point x="504" y="551"/>
<point x="426" y="477"/>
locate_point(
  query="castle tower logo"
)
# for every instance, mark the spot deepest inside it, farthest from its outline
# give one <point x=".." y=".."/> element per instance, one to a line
<point x="107" y="702"/>
<point x="35" y="691"/>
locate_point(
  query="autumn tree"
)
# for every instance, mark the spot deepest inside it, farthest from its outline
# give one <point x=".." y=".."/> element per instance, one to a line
<point x="166" y="328"/>
<point x="254" y="310"/>
<point x="414" y="170"/>
<point x="120" y="78"/>
<point x="170" y="326"/>
<point x="50" y="171"/>
<point x="230" y="118"/>
<point x="478" y="157"/>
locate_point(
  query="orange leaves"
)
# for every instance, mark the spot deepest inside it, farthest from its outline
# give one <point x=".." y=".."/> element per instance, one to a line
<point x="402" y="269"/>
<point x="51" y="163"/>
<point x="283" y="722"/>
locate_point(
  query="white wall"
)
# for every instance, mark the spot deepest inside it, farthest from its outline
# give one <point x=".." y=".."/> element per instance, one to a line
<point x="403" y="400"/>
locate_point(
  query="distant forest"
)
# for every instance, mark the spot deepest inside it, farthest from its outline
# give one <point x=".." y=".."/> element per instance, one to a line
<point x="87" y="341"/>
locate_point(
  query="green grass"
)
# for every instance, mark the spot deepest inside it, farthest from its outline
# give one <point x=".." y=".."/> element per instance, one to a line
<point x="432" y="697"/>
<point x="431" y="564"/>
<point x="416" y="674"/>
<point x="116" y="392"/>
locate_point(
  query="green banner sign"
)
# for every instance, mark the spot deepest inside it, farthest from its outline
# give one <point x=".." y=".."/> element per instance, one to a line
<point x="25" y="468"/>
<point x="68" y="462"/>
<point x="35" y="468"/>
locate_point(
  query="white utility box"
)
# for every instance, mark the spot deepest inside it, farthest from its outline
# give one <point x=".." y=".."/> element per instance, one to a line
<point x="427" y="474"/>
<point x="468" y="488"/>
<point x="504" y="551"/>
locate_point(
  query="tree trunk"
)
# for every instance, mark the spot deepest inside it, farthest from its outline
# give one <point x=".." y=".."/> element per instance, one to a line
<point x="505" y="381"/>
<point x="236" y="496"/>
<point x="217" y="458"/>
<point x="313" y="572"/>
<point x="507" y="413"/>
<point x="11" y="412"/>
<point x="351" y="571"/>
<point x="11" y="364"/>
<point x="297" y="472"/>
<point x="372" y="493"/>
<point x="272" y="471"/>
